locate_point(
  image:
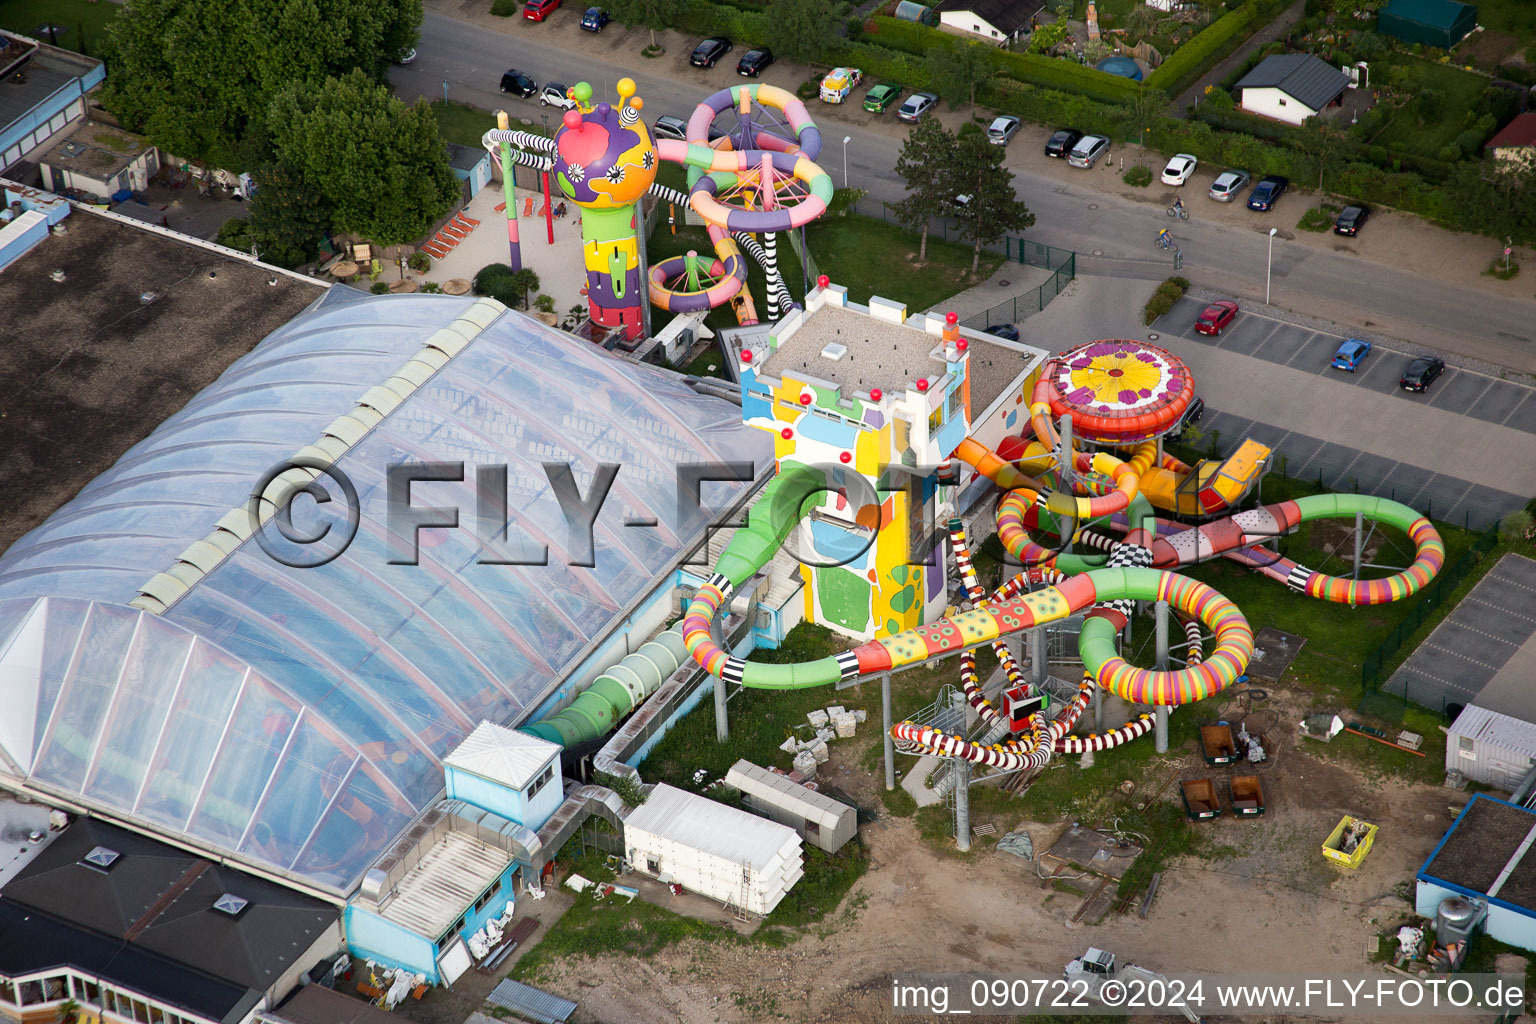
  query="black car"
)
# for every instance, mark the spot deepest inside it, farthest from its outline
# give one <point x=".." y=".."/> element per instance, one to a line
<point x="1421" y="373"/>
<point x="708" y="53"/>
<point x="1268" y="190"/>
<point x="1350" y="219"/>
<point x="1007" y="332"/>
<point x="1192" y="413"/>
<point x="753" y="61"/>
<point x="519" y="84"/>
<point x="1062" y="142"/>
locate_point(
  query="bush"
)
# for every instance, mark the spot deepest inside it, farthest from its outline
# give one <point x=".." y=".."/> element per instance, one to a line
<point x="1211" y="44"/>
<point x="1515" y="526"/>
<point x="1315" y="220"/>
<point x="420" y="261"/>
<point x="808" y="89"/>
<point x="380" y="288"/>
<point x="506" y="8"/>
<point x="432" y="288"/>
<point x="545" y="303"/>
<point x="236" y="233"/>
<point x="1497" y="269"/>
<point x="1138" y="176"/>
<point x="1162" y="300"/>
<point x="488" y="274"/>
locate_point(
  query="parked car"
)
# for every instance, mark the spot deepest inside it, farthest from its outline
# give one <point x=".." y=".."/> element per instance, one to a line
<point x="1002" y="129"/>
<point x="1061" y="143"/>
<point x="882" y="96"/>
<point x="1192" y="413"/>
<point x="668" y="127"/>
<point x="1421" y="373"/>
<point x="519" y="84"/>
<point x="595" y="19"/>
<point x="1087" y="151"/>
<point x="406" y="55"/>
<point x="1008" y="332"/>
<point x="1228" y="184"/>
<point x="708" y="53"/>
<point x="1351" y="354"/>
<point x="1350" y="219"/>
<point x="1179" y="169"/>
<point x="838" y="83"/>
<point x="538" y="10"/>
<point x="1216" y="316"/>
<point x="753" y="62"/>
<point x="1270" y="188"/>
<point x="553" y="95"/>
<point x="918" y="104"/>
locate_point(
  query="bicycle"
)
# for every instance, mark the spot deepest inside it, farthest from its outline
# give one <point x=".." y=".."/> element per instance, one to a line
<point x="1179" y="212"/>
<point x="1165" y="241"/>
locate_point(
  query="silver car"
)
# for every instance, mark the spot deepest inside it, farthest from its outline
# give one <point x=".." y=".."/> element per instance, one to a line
<point x="1228" y="184"/>
<point x="1088" y="150"/>
<point x="918" y="104"/>
<point x="1002" y="129"/>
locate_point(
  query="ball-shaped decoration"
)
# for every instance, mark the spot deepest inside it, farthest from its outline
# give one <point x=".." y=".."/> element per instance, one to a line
<point x="962" y="344"/>
<point x="922" y="383"/>
<point x="787" y="433"/>
<point x="746" y="355"/>
<point x="951" y="318"/>
<point x="605" y="157"/>
<point x="582" y="93"/>
<point x="822" y="280"/>
<point x="805" y="398"/>
<point x="874" y="394"/>
<point x="844" y="458"/>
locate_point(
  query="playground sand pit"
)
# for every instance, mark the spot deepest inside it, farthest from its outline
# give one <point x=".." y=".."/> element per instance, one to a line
<point x="1257" y="895"/>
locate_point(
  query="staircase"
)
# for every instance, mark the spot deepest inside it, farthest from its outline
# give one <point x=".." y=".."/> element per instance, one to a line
<point x="450" y="235"/>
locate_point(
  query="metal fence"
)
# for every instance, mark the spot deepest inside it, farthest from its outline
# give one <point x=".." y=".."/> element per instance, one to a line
<point x="1437" y="594"/>
<point x="1062" y="263"/>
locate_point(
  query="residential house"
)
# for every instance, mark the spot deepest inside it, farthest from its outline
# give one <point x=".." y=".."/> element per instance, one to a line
<point x="1516" y="143"/>
<point x="1290" y="87"/>
<point x="997" y="21"/>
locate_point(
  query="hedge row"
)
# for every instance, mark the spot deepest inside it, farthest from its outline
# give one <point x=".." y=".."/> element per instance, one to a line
<point x="1185" y="65"/>
<point x="743" y="27"/>
<point x="921" y="41"/>
<point x="1233" y="120"/>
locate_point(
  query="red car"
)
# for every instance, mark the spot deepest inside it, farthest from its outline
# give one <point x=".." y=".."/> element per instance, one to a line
<point x="538" y="10"/>
<point x="1216" y="316"/>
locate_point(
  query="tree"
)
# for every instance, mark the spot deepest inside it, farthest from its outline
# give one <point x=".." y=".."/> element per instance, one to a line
<point x="802" y="29"/>
<point x="1045" y="38"/>
<point x="992" y="209"/>
<point x="926" y="166"/>
<point x="648" y="14"/>
<point x="522" y="282"/>
<point x="288" y="218"/>
<point x="197" y="76"/>
<point x="379" y="166"/>
<point x="1147" y="107"/>
<point x="958" y="70"/>
<point x="1320" y="138"/>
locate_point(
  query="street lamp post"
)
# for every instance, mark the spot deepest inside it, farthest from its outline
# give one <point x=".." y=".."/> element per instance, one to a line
<point x="846" y="139"/>
<point x="1269" y="266"/>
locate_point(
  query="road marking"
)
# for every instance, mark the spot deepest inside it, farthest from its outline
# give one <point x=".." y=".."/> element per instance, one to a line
<point x="1518" y="406"/>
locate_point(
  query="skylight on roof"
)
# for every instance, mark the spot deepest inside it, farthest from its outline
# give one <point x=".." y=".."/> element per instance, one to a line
<point x="231" y="904"/>
<point x="101" y="857"/>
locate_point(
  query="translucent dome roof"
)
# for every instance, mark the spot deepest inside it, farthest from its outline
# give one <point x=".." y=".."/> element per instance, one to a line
<point x="296" y="716"/>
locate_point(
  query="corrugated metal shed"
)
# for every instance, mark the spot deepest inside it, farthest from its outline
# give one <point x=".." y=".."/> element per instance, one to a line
<point x="710" y="827"/>
<point x="790" y="803"/>
<point x="502" y="755"/>
<point x="531" y="1003"/>
<point x="1500" y="730"/>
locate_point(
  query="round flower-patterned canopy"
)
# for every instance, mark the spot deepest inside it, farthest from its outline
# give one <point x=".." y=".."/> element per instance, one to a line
<point x="1119" y="391"/>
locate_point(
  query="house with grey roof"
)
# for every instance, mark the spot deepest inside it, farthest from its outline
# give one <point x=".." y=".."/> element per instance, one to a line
<point x="1290" y="87"/>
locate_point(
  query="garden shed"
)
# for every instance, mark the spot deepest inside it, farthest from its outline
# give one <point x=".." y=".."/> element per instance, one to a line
<point x="1440" y="23"/>
<point x="1491" y="748"/>
<point x="819" y="820"/>
<point x="908" y="10"/>
<point x="721" y="852"/>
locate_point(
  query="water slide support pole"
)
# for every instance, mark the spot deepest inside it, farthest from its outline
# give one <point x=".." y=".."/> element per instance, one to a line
<point x="1064" y="481"/>
<point x="722" y="723"/>
<point x="1160" y="720"/>
<point x="1359" y="533"/>
<point x="1037" y="656"/>
<point x="961" y="769"/>
<point x="890" y="745"/>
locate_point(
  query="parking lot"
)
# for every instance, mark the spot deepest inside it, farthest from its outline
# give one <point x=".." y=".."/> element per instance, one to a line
<point x="1437" y="490"/>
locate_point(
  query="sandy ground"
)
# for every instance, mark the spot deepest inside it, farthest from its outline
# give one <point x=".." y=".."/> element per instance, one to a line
<point x="1268" y="903"/>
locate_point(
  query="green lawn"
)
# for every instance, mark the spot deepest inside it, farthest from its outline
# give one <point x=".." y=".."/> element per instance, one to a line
<point x="74" y="17"/>
<point x="464" y="124"/>
<point x="1517" y="17"/>
<point x="1461" y="89"/>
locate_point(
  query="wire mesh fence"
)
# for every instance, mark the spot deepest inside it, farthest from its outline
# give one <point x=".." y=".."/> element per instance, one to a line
<point x="1435" y="596"/>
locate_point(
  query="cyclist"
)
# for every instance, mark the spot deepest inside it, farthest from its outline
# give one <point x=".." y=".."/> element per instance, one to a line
<point x="1178" y="205"/>
<point x="1164" y="239"/>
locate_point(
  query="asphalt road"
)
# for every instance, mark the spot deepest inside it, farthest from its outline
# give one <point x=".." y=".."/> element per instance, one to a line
<point x="1346" y="288"/>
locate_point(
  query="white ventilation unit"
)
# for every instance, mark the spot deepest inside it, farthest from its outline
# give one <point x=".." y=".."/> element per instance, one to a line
<point x="101" y="857"/>
<point x="835" y="350"/>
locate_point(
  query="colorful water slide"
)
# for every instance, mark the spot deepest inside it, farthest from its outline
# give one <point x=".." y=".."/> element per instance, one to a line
<point x="754" y="182"/>
<point x="1217" y="485"/>
<point x="794" y="492"/>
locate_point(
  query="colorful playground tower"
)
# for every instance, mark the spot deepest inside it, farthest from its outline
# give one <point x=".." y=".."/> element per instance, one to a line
<point x="878" y="404"/>
<point x="605" y="161"/>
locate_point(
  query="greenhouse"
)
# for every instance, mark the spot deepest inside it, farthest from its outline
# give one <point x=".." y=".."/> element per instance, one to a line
<point x="159" y="665"/>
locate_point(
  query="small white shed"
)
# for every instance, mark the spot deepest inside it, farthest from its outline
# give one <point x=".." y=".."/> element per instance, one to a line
<point x="1491" y="748"/>
<point x="819" y="820"/>
<point x="724" y="853"/>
